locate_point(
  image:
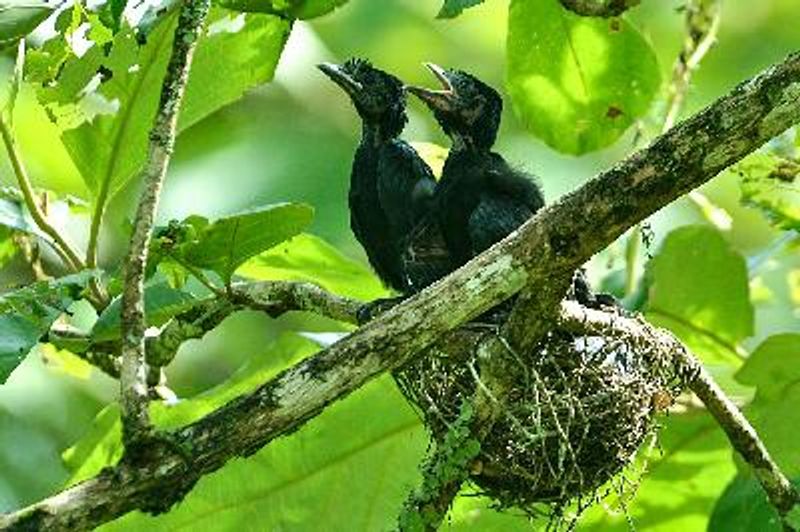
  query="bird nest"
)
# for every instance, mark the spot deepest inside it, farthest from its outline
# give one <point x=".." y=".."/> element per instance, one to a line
<point x="574" y="412"/>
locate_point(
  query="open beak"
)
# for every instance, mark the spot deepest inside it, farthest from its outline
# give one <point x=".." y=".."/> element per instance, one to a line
<point x="442" y="99"/>
<point x="341" y="78"/>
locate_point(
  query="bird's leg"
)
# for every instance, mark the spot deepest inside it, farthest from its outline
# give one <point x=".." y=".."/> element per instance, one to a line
<point x="375" y="308"/>
<point x="583" y="294"/>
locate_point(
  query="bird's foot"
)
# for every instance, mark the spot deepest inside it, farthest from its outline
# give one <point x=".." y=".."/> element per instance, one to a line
<point x="373" y="309"/>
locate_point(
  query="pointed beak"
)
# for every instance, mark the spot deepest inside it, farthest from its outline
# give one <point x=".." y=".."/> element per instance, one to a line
<point x="442" y="99"/>
<point x="341" y="78"/>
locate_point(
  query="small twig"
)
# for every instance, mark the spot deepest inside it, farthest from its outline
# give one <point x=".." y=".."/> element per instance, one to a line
<point x="59" y="243"/>
<point x="136" y="422"/>
<point x="603" y="8"/>
<point x="743" y="437"/>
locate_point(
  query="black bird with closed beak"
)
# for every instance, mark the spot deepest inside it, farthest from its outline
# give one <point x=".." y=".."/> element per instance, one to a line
<point x="391" y="187"/>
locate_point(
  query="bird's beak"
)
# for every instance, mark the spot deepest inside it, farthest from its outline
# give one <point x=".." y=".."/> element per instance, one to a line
<point x="341" y="78"/>
<point x="442" y="99"/>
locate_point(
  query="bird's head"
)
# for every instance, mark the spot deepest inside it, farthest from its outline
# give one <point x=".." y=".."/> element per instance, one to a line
<point x="377" y="96"/>
<point x="467" y="109"/>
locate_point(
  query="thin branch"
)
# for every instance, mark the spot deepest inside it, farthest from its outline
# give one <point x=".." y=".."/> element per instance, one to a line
<point x="742" y="435"/>
<point x="133" y="383"/>
<point x="278" y="297"/>
<point x="601" y="8"/>
<point x="551" y="245"/>
<point x="59" y="243"/>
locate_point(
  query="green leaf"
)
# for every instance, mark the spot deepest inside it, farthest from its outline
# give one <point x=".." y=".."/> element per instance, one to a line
<point x="20" y="17"/>
<point x="453" y="8"/>
<point x="744" y="507"/>
<point x="161" y="302"/>
<point x="770" y="183"/>
<point x="8" y="250"/>
<point x="309" y="258"/>
<point x="774" y="369"/>
<point x="106" y="129"/>
<point x="27" y="314"/>
<point x="226" y="243"/>
<point x="111" y="14"/>
<point x="362" y="470"/>
<point x="577" y="83"/>
<point x="700" y="292"/>
<point x="291" y="9"/>
<point x="13" y="215"/>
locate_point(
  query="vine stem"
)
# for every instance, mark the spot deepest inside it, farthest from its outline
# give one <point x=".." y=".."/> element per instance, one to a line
<point x="133" y="374"/>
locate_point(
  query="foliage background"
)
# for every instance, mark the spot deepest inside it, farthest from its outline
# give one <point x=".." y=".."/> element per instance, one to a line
<point x="292" y="140"/>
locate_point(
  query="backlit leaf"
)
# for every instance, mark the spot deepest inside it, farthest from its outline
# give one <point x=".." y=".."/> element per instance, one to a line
<point x="577" y="83"/>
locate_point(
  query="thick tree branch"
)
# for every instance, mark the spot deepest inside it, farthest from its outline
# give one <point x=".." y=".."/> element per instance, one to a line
<point x="133" y="378"/>
<point x="550" y="246"/>
<point x="742" y="435"/>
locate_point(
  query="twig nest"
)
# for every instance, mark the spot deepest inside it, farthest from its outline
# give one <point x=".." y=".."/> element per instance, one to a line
<point x="573" y="413"/>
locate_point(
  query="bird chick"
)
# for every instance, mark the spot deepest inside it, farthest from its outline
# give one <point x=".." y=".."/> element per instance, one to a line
<point x="391" y="187"/>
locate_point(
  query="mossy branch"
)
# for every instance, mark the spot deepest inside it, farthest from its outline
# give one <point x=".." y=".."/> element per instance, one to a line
<point x="133" y="374"/>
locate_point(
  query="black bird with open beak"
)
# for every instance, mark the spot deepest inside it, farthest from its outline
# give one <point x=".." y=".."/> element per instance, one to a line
<point x="480" y="198"/>
<point x="391" y="187"/>
<point x="479" y="191"/>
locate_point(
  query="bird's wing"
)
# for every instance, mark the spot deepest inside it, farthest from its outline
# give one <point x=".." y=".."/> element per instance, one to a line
<point x="493" y="219"/>
<point x="426" y="258"/>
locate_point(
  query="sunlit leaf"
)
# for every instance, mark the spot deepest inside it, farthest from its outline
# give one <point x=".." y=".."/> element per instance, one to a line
<point x="226" y="243"/>
<point x="20" y="17"/>
<point x="744" y="507"/>
<point x="453" y="8"/>
<point x="577" y="83"/>
<point x="162" y="302"/>
<point x="700" y="291"/>
<point x="309" y="258"/>
<point x="774" y="369"/>
<point x="27" y="314"/>
<point x="105" y="102"/>
<point x="290" y="9"/>
<point x="770" y="183"/>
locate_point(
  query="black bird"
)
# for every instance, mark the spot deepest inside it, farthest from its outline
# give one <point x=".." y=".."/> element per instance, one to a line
<point x="480" y="198"/>
<point x="391" y="187"/>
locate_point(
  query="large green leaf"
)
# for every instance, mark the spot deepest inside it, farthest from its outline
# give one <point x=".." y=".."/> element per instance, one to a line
<point x="453" y="8"/>
<point x="299" y="9"/>
<point x="226" y="243"/>
<point x="162" y="302"/>
<point x="774" y="369"/>
<point x="576" y="82"/>
<point x="771" y="183"/>
<point x="106" y="129"/>
<point x="20" y="17"/>
<point x="700" y="291"/>
<point x="744" y="508"/>
<point x="27" y="314"/>
<point x="354" y="473"/>
<point x="309" y="258"/>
